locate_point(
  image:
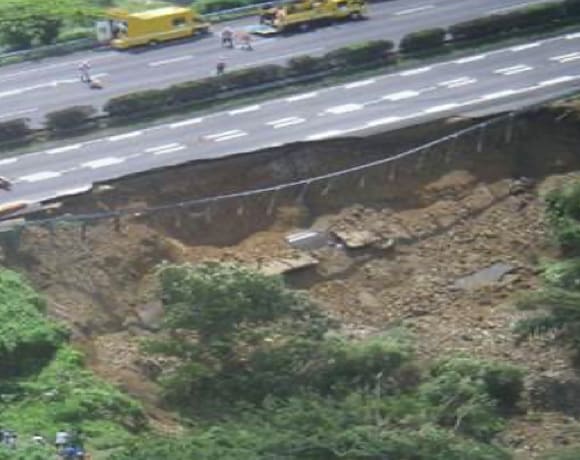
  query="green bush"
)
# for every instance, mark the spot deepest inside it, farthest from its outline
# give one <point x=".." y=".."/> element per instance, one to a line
<point x="467" y="394"/>
<point x="70" y="35"/>
<point x="192" y="91"/>
<point x="425" y="40"/>
<point x="14" y="130"/>
<point x="360" y="54"/>
<point x="498" y="25"/>
<point x="135" y="104"/>
<point x="306" y="65"/>
<point x="253" y="76"/>
<point x="27" y="338"/>
<point x="69" y="119"/>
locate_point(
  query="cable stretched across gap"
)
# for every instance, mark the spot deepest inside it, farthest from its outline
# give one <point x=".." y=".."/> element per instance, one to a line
<point x="275" y="189"/>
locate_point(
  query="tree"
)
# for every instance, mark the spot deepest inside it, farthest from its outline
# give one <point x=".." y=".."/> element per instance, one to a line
<point x="557" y="303"/>
<point x="24" y="23"/>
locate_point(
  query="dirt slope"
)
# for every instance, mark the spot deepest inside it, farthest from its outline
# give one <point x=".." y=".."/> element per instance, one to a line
<point x="425" y="230"/>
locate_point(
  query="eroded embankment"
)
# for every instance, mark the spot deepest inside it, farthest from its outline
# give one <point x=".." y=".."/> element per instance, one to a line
<point x="424" y="224"/>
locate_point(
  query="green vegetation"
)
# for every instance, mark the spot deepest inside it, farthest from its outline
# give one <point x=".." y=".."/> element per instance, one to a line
<point x="261" y="373"/>
<point x="570" y="453"/>
<point x="25" y="23"/>
<point x="44" y="385"/>
<point x="27" y="340"/>
<point x="557" y="303"/>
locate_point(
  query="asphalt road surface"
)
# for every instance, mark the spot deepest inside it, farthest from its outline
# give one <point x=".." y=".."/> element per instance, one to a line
<point x="506" y="78"/>
<point x="33" y="89"/>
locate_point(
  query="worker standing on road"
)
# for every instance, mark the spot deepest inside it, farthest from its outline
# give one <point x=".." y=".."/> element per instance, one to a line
<point x="245" y="40"/>
<point x="84" y="70"/>
<point x="5" y="183"/>
<point x="227" y="38"/>
<point x="221" y="66"/>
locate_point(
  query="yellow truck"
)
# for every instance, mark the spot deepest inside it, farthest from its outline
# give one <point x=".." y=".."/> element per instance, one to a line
<point x="303" y="14"/>
<point x="123" y="30"/>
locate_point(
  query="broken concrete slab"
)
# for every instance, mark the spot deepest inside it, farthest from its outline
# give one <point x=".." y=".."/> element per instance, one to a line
<point x="356" y="239"/>
<point x="486" y="277"/>
<point x="308" y="240"/>
<point x="289" y="264"/>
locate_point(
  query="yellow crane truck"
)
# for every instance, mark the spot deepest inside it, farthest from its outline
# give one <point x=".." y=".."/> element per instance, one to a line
<point x="302" y="14"/>
<point x="123" y="30"/>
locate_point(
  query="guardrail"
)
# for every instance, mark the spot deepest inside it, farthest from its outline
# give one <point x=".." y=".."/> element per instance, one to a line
<point x="241" y="10"/>
<point x="48" y="51"/>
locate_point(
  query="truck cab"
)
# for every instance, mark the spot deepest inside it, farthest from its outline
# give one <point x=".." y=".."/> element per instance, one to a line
<point x="123" y="30"/>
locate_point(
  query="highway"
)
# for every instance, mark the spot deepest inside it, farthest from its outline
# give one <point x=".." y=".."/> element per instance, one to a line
<point x="500" y="79"/>
<point x="35" y="88"/>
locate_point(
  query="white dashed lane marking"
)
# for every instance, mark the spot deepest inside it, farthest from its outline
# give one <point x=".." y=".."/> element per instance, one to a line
<point x="441" y="108"/>
<point x="121" y="137"/>
<point x="513" y="69"/>
<point x="566" y="57"/>
<point x="498" y="95"/>
<point x="415" y="71"/>
<point x="283" y="122"/>
<point x="400" y="95"/>
<point x="172" y="149"/>
<point x="39" y="176"/>
<point x="226" y="135"/>
<point x="191" y="121"/>
<point x="527" y="46"/>
<point x="301" y="97"/>
<point x="456" y="83"/>
<point x="346" y="108"/>
<point x="251" y="108"/>
<point x="161" y="147"/>
<point x="170" y="61"/>
<point x="66" y="148"/>
<point x="358" y="84"/>
<point x="103" y="162"/>
<point x="469" y="59"/>
<point x="324" y="135"/>
<point x="414" y="10"/>
<point x="383" y="121"/>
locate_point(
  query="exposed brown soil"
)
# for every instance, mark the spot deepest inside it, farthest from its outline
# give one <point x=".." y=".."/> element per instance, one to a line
<point x="430" y="224"/>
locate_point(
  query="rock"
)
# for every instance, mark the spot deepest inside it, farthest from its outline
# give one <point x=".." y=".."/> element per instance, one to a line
<point x="290" y="264"/>
<point x="356" y="239"/>
<point x="486" y="277"/>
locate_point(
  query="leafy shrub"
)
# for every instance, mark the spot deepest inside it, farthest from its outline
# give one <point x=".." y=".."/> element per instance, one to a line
<point x="425" y="40"/>
<point x="253" y="76"/>
<point x="66" y="395"/>
<point x="134" y="104"/>
<point x="70" y="118"/>
<point x="563" y="216"/>
<point x="186" y="93"/>
<point x="505" y="24"/>
<point x="360" y="427"/>
<point x="14" y="130"/>
<point x="75" y="34"/>
<point x="359" y="54"/>
<point x="27" y="338"/>
<point x="304" y="65"/>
